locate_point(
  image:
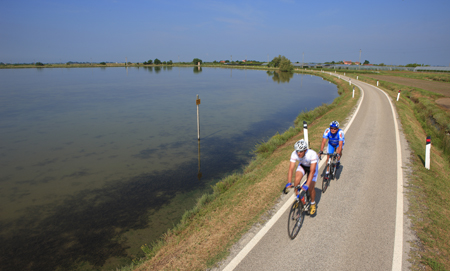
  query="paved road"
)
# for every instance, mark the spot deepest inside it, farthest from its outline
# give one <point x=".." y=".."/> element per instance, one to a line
<point x="354" y="227"/>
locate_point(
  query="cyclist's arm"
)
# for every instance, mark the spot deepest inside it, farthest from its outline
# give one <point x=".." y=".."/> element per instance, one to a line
<point x="291" y="169"/>
<point x="339" y="148"/>
<point x="324" y="140"/>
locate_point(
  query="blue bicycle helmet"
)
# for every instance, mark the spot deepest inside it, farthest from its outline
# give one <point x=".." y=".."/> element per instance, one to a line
<point x="334" y="124"/>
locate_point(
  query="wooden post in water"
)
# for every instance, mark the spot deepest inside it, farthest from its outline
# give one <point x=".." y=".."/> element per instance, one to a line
<point x="197" y="102"/>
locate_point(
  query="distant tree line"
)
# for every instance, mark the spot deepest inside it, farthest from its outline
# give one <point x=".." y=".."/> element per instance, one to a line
<point x="158" y="62"/>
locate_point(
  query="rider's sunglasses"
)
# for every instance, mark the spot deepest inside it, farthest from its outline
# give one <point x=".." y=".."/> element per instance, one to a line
<point x="333" y="128"/>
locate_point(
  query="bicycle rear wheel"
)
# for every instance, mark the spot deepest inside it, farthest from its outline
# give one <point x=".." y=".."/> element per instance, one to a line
<point x="295" y="220"/>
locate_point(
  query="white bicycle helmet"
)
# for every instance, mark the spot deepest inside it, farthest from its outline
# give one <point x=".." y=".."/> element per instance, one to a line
<point x="300" y="145"/>
<point x="334" y="124"/>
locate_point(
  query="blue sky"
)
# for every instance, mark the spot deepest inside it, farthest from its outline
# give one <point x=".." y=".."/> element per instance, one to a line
<point x="387" y="31"/>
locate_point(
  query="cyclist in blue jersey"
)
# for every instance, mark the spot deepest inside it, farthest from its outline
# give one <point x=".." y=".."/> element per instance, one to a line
<point x="336" y="141"/>
<point x="308" y="164"/>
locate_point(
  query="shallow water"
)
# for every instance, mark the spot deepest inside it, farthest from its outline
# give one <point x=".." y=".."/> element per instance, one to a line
<point x="96" y="162"/>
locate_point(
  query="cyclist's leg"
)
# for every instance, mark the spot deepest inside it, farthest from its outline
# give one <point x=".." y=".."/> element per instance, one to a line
<point x="312" y="184"/>
<point x="330" y="149"/>
<point x="298" y="176"/>
<point x="340" y="155"/>
<point x="312" y="191"/>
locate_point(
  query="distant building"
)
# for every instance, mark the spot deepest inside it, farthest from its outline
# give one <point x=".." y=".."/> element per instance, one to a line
<point x="222" y="61"/>
<point x="347" y="62"/>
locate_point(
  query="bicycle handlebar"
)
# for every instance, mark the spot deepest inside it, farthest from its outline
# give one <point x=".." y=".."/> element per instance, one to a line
<point x="289" y="185"/>
<point x="334" y="153"/>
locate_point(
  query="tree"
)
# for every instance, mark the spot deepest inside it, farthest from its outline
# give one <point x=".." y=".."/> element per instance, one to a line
<point x="149" y="62"/>
<point x="102" y="63"/>
<point x="196" y="61"/>
<point x="366" y="62"/>
<point x="285" y="65"/>
<point x="39" y="64"/>
<point x="413" y="65"/>
<point x="157" y="61"/>
<point x="282" y="63"/>
<point x="169" y="62"/>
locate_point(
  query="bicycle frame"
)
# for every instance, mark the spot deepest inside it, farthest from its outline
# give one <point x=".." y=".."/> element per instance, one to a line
<point x="331" y="164"/>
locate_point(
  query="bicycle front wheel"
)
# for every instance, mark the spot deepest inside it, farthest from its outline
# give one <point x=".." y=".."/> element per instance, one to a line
<point x="333" y="171"/>
<point x="325" y="182"/>
<point x="295" y="220"/>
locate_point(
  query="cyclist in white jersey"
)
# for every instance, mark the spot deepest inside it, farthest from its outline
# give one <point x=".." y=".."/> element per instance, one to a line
<point x="308" y="164"/>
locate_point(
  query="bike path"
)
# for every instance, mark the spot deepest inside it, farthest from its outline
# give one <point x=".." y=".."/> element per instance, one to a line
<point x="354" y="227"/>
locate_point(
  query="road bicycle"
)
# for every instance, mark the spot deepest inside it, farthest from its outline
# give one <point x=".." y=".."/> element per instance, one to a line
<point x="331" y="165"/>
<point x="298" y="210"/>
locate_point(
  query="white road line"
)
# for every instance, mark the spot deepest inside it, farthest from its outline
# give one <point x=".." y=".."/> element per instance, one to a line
<point x="241" y="255"/>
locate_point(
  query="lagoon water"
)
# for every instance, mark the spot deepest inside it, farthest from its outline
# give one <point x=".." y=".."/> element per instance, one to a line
<point x="96" y="162"/>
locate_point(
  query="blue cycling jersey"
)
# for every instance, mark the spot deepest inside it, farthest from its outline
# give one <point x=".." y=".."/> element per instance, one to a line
<point x="333" y="139"/>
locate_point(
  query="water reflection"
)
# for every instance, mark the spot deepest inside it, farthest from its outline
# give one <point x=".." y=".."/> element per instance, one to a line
<point x="197" y="69"/>
<point x="199" y="173"/>
<point x="157" y="69"/>
<point x="280" y="77"/>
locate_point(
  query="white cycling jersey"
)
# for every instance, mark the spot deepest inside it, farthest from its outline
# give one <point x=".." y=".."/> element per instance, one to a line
<point x="309" y="158"/>
<point x="305" y="162"/>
